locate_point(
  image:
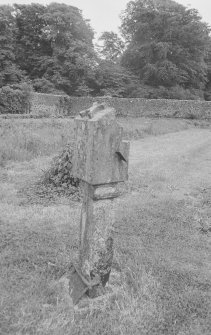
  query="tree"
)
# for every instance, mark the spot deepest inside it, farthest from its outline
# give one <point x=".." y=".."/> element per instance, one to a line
<point x="167" y="43"/>
<point x="112" y="46"/>
<point x="112" y="79"/>
<point x="32" y="46"/>
<point x="207" y="93"/>
<point x="70" y="37"/>
<point x="9" y="72"/>
<point x="54" y="43"/>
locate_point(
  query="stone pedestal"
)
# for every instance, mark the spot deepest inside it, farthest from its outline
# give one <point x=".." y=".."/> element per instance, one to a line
<point x="100" y="162"/>
<point x="96" y="231"/>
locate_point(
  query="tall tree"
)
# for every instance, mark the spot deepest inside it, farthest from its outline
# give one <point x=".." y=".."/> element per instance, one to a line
<point x="32" y="46"/>
<point x="167" y="43"/>
<point x="112" y="46"/>
<point x="9" y="72"/>
<point x="109" y="78"/>
<point x="71" y="38"/>
<point x="54" y="43"/>
<point x="207" y="93"/>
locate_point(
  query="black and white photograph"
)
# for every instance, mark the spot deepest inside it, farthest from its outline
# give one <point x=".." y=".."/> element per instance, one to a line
<point x="105" y="167"/>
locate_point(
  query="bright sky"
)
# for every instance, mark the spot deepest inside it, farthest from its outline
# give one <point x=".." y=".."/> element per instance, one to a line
<point x="104" y="14"/>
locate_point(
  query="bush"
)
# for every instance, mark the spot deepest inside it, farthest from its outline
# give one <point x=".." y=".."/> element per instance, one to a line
<point x="57" y="181"/>
<point x="15" y="99"/>
<point x="60" y="173"/>
<point x="43" y="85"/>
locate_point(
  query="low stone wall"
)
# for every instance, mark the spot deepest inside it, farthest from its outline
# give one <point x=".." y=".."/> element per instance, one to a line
<point x="45" y="104"/>
<point x="134" y="107"/>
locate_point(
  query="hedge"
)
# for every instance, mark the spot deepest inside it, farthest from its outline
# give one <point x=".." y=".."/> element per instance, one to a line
<point x="15" y="99"/>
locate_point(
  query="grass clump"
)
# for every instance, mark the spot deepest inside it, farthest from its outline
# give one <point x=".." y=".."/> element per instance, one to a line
<point x="60" y="173"/>
<point x="57" y="181"/>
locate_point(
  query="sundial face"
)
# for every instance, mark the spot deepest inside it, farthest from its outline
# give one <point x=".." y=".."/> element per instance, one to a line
<point x="100" y="156"/>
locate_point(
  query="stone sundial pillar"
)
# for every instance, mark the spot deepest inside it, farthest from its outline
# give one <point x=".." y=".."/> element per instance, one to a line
<point x="100" y="161"/>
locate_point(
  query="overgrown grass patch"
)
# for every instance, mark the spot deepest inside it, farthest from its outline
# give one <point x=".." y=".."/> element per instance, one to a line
<point x="25" y="139"/>
<point x="22" y="140"/>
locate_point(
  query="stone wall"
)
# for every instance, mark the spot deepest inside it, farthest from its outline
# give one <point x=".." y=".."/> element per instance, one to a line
<point x="134" y="107"/>
<point x="44" y="103"/>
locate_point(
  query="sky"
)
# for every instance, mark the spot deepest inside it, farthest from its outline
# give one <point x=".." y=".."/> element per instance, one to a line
<point x="104" y="14"/>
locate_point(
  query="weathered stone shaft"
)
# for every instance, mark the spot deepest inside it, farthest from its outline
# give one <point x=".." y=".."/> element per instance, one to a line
<point x="96" y="231"/>
<point x="100" y="162"/>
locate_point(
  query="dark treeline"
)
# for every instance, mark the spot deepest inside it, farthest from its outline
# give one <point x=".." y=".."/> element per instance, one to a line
<point x="164" y="51"/>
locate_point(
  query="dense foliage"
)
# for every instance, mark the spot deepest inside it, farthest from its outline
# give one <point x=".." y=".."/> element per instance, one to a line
<point x="164" y="51"/>
<point x="9" y="71"/>
<point x="112" y="46"/>
<point x="167" y="44"/>
<point x="15" y="99"/>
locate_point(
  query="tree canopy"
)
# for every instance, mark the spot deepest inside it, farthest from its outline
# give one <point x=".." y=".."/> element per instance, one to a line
<point x="53" y="42"/>
<point x="9" y="71"/>
<point x="166" y="43"/>
<point x="112" y="46"/>
<point x="163" y="51"/>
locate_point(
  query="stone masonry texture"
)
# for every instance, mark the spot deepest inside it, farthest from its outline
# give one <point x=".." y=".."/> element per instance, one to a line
<point x="125" y="107"/>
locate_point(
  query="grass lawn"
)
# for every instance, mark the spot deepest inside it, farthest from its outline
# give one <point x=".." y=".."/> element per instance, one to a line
<point x="160" y="281"/>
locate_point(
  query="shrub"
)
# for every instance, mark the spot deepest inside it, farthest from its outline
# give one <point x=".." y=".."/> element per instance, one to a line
<point x="60" y="173"/>
<point x="15" y="99"/>
<point x="43" y="85"/>
<point x="57" y="181"/>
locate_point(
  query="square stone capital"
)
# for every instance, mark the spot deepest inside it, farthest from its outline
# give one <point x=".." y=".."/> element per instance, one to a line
<point x="100" y="154"/>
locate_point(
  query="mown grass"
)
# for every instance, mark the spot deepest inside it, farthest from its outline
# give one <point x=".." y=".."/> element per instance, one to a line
<point x="29" y="301"/>
<point x="159" y="283"/>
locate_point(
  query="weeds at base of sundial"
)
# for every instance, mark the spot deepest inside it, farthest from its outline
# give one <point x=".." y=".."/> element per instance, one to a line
<point x="56" y="182"/>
